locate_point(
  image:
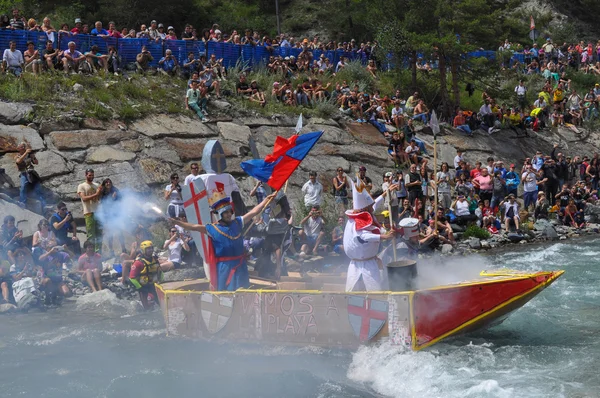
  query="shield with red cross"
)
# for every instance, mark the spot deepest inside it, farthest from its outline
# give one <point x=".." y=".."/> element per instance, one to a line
<point x="366" y="316"/>
<point x="197" y="211"/>
<point x="216" y="311"/>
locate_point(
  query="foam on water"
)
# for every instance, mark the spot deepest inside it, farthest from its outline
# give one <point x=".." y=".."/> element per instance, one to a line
<point x="106" y="302"/>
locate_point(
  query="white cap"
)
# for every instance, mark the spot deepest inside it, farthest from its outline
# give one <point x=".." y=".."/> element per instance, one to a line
<point x="410" y="227"/>
<point x="360" y="196"/>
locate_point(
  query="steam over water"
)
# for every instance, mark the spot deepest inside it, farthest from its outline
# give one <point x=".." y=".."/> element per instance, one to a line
<point x="100" y="346"/>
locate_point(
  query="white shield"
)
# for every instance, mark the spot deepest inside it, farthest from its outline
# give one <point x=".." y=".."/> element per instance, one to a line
<point x="216" y="311"/>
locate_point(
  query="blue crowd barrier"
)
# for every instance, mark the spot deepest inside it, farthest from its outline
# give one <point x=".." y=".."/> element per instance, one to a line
<point x="230" y="53"/>
<point x="21" y="37"/>
<point x="250" y="56"/>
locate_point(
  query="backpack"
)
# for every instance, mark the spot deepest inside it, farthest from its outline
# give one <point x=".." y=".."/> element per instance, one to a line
<point x="85" y="68"/>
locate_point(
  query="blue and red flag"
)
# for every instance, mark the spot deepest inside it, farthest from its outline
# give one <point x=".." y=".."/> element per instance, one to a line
<point x="287" y="155"/>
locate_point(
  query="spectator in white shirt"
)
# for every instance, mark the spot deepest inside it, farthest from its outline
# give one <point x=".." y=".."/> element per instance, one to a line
<point x="486" y="114"/>
<point x="194" y="173"/>
<point x="313" y="191"/>
<point x="174" y="245"/>
<point x="458" y="158"/>
<point x="12" y="60"/>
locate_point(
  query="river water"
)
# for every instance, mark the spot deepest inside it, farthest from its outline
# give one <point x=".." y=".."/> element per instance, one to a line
<point x="100" y="346"/>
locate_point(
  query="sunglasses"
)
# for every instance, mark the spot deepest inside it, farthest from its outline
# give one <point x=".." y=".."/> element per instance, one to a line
<point x="194" y="168"/>
<point x="176" y="178"/>
<point x="62" y="209"/>
<point x="173" y="231"/>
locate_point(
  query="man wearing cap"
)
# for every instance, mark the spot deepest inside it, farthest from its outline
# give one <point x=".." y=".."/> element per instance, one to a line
<point x="78" y="27"/>
<point x="313" y="191"/>
<point x="228" y="241"/>
<point x="362" y="237"/>
<point x="153" y="30"/>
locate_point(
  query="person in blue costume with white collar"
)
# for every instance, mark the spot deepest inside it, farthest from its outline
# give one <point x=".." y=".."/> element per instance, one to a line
<point x="228" y="241"/>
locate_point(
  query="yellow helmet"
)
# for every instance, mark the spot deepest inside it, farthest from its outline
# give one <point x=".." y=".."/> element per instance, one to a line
<point x="146" y="244"/>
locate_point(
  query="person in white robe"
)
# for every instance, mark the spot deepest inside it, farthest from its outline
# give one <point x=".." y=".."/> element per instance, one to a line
<point x="362" y="237"/>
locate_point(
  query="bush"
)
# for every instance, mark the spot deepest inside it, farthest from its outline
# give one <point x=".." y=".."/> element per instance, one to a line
<point x="474" y="231"/>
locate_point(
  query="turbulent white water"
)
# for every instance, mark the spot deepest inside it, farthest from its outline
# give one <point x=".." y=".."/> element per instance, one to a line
<point x="549" y="348"/>
<point x="100" y="346"/>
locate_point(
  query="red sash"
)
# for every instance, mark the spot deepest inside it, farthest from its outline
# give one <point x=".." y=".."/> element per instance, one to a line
<point x="241" y="260"/>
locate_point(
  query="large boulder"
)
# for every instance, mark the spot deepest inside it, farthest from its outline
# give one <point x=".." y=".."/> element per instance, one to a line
<point x="11" y="136"/>
<point x="104" y="153"/>
<point x="188" y="148"/>
<point x="172" y="126"/>
<point x="50" y="164"/>
<point x="162" y="151"/>
<point x="154" y="171"/>
<point x="82" y="139"/>
<point x="331" y="134"/>
<point x="234" y="132"/>
<point x="122" y="175"/>
<point x="25" y="220"/>
<point x="14" y="112"/>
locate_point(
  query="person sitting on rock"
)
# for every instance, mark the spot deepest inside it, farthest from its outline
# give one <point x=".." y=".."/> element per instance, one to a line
<point x="194" y="100"/>
<point x="12" y="239"/>
<point x="62" y="224"/>
<point x="541" y="207"/>
<point x="29" y="178"/>
<point x="313" y="231"/>
<point x="52" y="282"/>
<point x="174" y="246"/>
<point x="209" y="81"/>
<point x="413" y="151"/>
<point x="168" y="64"/>
<point x="43" y="240"/>
<point x="90" y="266"/>
<point x="257" y="95"/>
<point x="143" y="60"/>
<point x="52" y="57"/>
<point x="97" y="60"/>
<point x="510" y="210"/>
<point x="12" y="60"/>
<point x="72" y="58"/>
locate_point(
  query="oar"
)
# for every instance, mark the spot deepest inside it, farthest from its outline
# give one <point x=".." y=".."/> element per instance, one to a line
<point x="389" y="193"/>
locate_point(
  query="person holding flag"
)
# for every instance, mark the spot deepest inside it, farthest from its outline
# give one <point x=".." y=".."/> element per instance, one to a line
<point x="227" y="240"/>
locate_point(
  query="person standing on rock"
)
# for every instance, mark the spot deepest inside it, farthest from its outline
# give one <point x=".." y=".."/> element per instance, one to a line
<point x="90" y="193"/>
<point x="193" y="173"/>
<point x="28" y="176"/>
<point x="313" y="191"/>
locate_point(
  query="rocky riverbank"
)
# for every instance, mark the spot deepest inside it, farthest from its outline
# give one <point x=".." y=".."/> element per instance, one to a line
<point x="141" y="155"/>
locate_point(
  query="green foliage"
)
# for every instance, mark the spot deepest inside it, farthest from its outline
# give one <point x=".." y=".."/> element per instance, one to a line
<point x="473" y="231"/>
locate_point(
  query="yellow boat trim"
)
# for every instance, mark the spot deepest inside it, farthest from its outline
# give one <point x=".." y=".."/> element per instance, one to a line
<point x="417" y="347"/>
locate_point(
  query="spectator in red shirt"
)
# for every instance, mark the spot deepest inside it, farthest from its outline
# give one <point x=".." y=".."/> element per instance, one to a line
<point x="113" y="32"/>
<point x="78" y="27"/>
<point x="476" y="171"/>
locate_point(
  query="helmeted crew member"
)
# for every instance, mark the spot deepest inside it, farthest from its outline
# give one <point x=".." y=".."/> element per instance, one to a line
<point x="145" y="271"/>
<point x="228" y="241"/>
<point x="362" y="236"/>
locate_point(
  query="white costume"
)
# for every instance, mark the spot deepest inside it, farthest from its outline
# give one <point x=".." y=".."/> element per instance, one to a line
<point x="361" y="242"/>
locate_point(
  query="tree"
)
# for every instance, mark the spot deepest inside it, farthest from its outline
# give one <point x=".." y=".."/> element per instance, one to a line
<point x="444" y="29"/>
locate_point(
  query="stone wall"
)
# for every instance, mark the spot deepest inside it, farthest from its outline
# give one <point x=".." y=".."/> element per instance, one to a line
<point x="142" y="155"/>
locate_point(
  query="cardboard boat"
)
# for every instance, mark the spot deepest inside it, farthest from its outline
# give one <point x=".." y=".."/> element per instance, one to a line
<point x="314" y="309"/>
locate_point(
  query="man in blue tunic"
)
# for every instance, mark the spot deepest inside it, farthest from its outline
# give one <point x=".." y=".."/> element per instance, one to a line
<point x="228" y="242"/>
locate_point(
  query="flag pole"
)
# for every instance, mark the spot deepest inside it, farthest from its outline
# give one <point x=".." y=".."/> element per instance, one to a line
<point x="260" y="214"/>
<point x="297" y="129"/>
<point x="435" y="128"/>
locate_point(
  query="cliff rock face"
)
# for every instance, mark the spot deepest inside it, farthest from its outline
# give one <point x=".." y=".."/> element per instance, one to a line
<point x="143" y="155"/>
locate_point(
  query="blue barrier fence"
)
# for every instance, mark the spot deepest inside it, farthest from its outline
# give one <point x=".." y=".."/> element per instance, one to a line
<point x="250" y="56"/>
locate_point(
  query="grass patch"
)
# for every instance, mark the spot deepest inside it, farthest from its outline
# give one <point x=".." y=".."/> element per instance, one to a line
<point x="102" y="97"/>
<point x="474" y="231"/>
